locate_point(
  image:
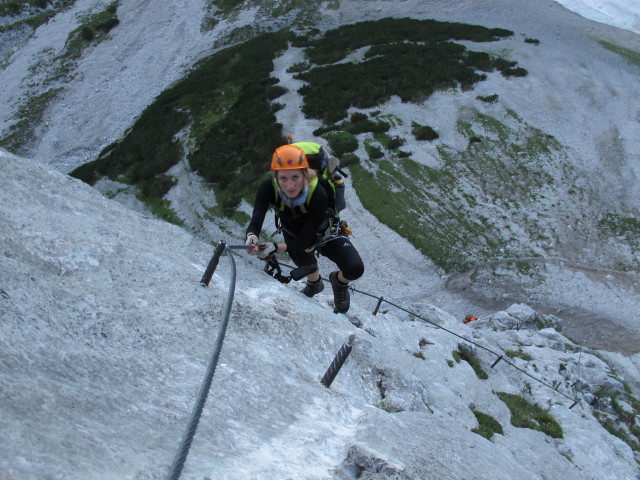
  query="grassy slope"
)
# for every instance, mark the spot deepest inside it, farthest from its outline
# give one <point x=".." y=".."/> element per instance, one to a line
<point x="493" y="200"/>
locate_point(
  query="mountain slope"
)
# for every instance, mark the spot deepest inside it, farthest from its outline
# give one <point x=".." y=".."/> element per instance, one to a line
<point x="106" y="331"/>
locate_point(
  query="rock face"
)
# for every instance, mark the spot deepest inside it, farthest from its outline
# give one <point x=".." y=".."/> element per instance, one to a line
<point x="106" y="333"/>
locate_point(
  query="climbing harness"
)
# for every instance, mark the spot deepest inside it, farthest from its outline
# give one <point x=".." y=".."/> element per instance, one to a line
<point x="336" y="229"/>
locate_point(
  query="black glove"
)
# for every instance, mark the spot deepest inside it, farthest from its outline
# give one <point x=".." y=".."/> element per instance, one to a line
<point x="265" y="250"/>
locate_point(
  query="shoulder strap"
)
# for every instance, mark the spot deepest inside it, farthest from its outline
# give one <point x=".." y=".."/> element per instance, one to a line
<point x="312" y="188"/>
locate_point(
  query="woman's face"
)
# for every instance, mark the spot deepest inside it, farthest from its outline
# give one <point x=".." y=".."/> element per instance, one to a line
<point x="291" y="182"/>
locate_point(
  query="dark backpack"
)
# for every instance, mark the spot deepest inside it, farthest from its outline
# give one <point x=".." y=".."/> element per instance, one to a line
<point x="329" y="174"/>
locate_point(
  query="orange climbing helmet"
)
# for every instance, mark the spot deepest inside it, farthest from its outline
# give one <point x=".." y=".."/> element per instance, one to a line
<point x="289" y="157"/>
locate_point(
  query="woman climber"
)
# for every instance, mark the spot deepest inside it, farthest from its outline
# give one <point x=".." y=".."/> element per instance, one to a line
<point x="302" y="215"/>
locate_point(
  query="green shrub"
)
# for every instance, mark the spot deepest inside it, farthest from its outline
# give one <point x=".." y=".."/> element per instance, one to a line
<point x="395" y="143"/>
<point x="359" y="123"/>
<point x="349" y="159"/>
<point x="274" y="91"/>
<point x="108" y="24"/>
<point x="87" y="33"/>
<point x="11" y="8"/>
<point x="159" y="186"/>
<point x="373" y="151"/>
<point x="423" y="132"/>
<point x="515" y="72"/>
<point x="336" y="44"/>
<point x="528" y="415"/>
<point x="342" y="143"/>
<point x="489" y="98"/>
<point x="358" y="117"/>
<point x="299" y="67"/>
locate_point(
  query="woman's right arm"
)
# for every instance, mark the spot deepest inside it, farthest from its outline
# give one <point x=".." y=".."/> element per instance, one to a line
<point x="264" y="197"/>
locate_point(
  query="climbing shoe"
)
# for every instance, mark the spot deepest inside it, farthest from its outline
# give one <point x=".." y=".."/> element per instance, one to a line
<point x="313" y="288"/>
<point x="341" y="300"/>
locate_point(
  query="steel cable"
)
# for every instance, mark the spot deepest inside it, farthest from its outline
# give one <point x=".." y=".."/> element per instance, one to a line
<point x="194" y="419"/>
<point x="435" y="325"/>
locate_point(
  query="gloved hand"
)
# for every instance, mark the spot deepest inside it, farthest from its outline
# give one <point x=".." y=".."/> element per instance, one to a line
<point x="267" y="249"/>
<point x="251" y="243"/>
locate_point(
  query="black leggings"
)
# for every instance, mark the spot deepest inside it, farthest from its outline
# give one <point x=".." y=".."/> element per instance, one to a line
<point x="340" y="251"/>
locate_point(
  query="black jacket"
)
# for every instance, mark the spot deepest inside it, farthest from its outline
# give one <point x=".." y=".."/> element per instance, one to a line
<point x="300" y="228"/>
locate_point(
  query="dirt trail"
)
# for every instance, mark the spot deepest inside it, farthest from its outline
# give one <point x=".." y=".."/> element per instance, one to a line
<point x="612" y="330"/>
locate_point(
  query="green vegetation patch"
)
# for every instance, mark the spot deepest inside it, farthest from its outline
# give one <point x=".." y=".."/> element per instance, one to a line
<point x="506" y="169"/>
<point x="299" y="13"/>
<point x="617" y="411"/>
<point x="358" y="123"/>
<point x="467" y="354"/>
<point x="487" y="425"/>
<point x="405" y="57"/>
<point x="13" y="8"/>
<point x="529" y="415"/>
<point x="518" y="354"/>
<point x="631" y="56"/>
<point x="30" y="115"/>
<point x="225" y="106"/>
<point x="618" y="225"/>
<point x="341" y="143"/>
<point x="31" y="13"/>
<point x="93" y="29"/>
<point x="224" y="112"/>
